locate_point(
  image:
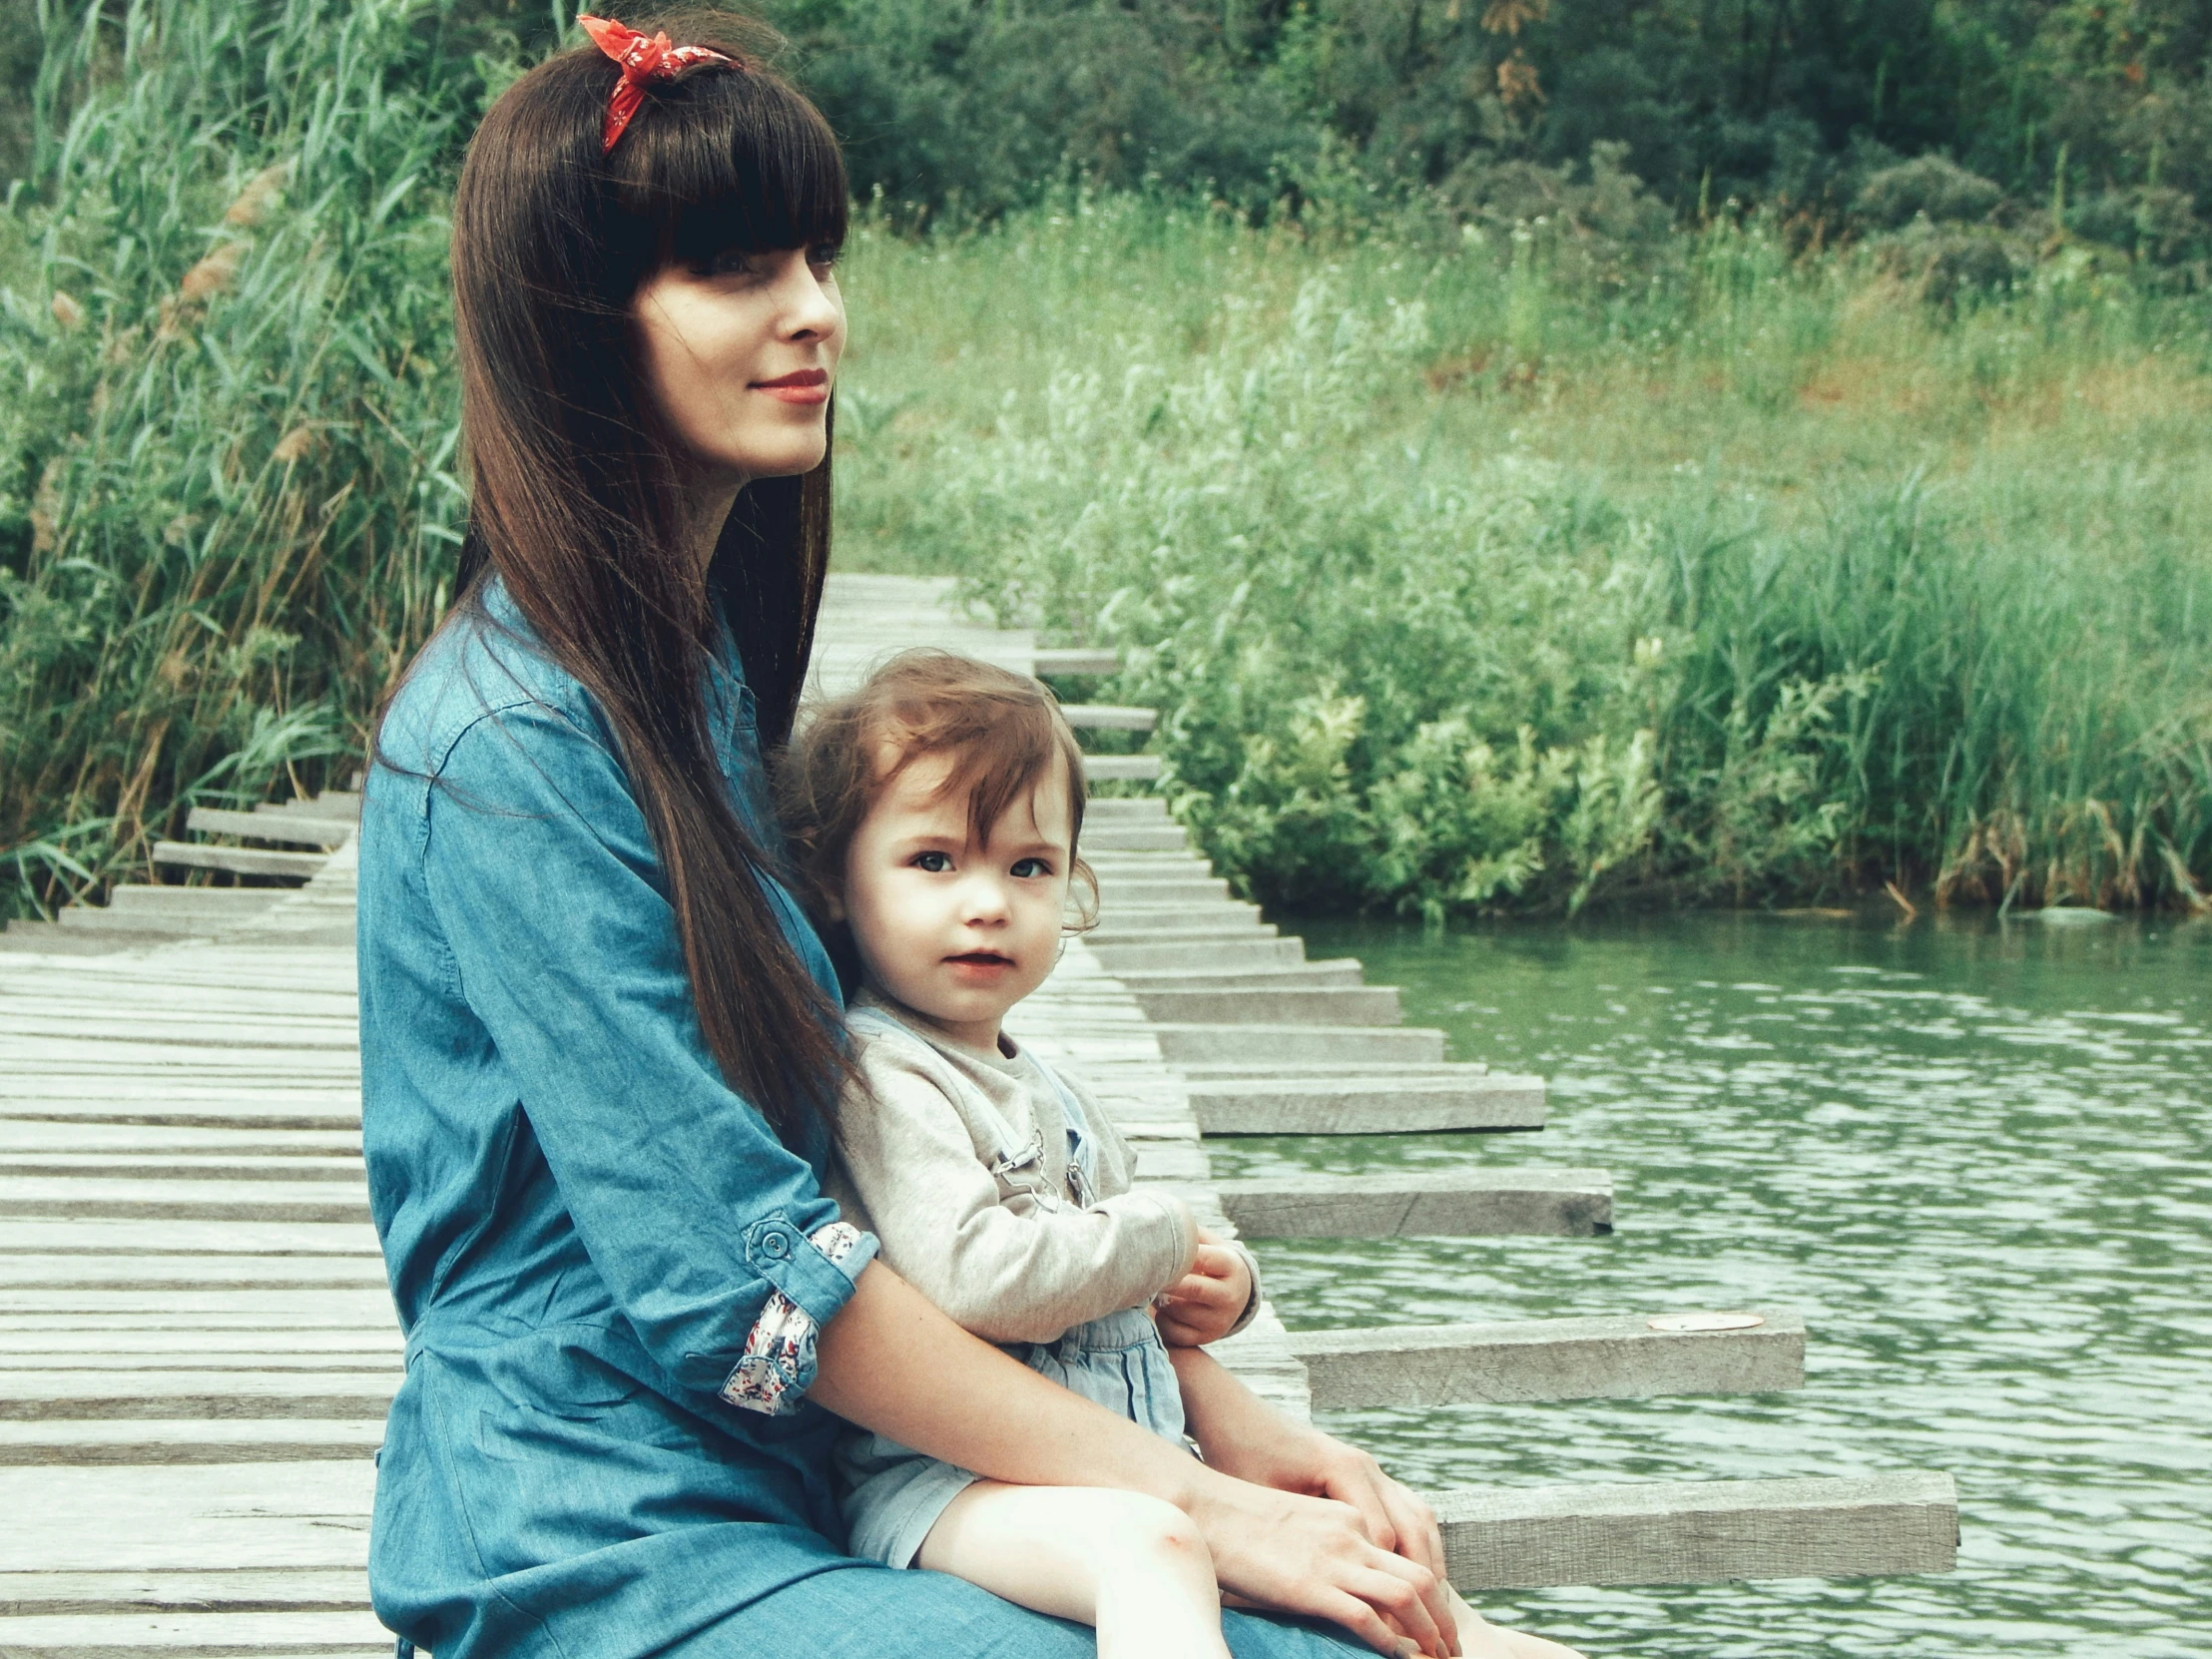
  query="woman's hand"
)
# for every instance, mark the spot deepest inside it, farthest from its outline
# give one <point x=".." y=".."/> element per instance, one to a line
<point x="1206" y="1303"/>
<point x="1243" y="1435"/>
<point x="1297" y="1554"/>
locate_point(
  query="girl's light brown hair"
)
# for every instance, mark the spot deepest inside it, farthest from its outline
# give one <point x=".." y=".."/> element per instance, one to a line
<point x="1004" y="732"/>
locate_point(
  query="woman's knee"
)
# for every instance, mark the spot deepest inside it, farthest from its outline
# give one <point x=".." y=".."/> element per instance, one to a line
<point x="1270" y="1636"/>
<point x="870" y="1612"/>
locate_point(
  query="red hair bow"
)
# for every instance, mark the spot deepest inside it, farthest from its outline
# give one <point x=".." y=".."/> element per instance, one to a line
<point x="642" y="59"/>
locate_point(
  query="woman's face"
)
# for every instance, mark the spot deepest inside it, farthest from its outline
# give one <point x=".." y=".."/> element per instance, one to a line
<point x="739" y="355"/>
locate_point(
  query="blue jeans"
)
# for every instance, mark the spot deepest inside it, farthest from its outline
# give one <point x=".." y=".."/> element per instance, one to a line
<point x="880" y="1613"/>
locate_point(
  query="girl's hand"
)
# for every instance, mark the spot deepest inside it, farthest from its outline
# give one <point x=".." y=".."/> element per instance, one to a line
<point x="1203" y="1304"/>
<point x="1311" y="1556"/>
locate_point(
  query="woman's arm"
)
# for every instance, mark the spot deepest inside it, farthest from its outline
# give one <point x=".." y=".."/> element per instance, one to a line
<point x="890" y="1362"/>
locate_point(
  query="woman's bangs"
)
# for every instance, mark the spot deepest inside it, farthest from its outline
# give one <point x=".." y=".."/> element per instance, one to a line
<point x="742" y="163"/>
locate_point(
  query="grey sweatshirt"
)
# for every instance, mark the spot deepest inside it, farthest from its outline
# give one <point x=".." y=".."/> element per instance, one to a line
<point x="1012" y="1249"/>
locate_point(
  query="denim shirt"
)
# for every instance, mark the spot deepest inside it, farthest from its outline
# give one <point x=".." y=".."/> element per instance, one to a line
<point x="580" y="1221"/>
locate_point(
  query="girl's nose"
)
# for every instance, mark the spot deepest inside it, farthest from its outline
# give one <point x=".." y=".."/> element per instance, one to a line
<point x="983" y="902"/>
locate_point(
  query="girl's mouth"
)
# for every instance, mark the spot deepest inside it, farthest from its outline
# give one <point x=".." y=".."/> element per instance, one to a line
<point x="805" y="385"/>
<point x="980" y="961"/>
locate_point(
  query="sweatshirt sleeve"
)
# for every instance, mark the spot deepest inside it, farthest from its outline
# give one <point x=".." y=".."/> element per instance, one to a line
<point x="1009" y="1268"/>
<point x="1118" y="1172"/>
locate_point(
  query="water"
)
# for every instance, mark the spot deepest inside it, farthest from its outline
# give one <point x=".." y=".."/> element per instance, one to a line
<point x="1975" y="1156"/>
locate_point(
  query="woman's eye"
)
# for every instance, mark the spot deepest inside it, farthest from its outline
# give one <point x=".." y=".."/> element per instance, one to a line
<point x="1028" y="867"/>
<point x="936" y="863"/>
<point x="824" y="260"/>
<point x="731" y="262"/>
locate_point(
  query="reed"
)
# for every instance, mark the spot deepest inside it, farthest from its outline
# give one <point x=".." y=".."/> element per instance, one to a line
<point x="230" y="420"/>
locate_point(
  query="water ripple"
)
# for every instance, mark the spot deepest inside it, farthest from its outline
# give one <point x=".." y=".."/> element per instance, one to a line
<point x="1977" y="1159"/>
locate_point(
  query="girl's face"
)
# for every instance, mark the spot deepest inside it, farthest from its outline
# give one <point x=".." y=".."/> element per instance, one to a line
<point x="956" y="930"/>
<point x="739" y="355"/>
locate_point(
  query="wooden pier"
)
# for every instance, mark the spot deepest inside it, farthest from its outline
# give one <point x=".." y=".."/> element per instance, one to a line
<point x="197" y="1347"/>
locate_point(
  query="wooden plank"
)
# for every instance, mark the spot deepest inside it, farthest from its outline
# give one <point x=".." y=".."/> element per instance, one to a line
<point x="239" y="860"/>
<point x="84" y="1272"/>
<point x="1077" y="659"/>
<point x="302" y="1589"/>
<point x="1121" y="769"/>
<point x="30" y="1140"/>
<point x="156" y="1165"/>
<point x="1611" y="1357"/>
<point x="89" y="1198"/>
<point x="61" y="1235"/>
<point x="59" y="1396"/>
<point x="292" y="828"/>
<point x="267" y="1635"/>
<point x="1699" y="1531"/>
<point x="1455" y="1204"/>
<point x="1321" y="1004"/>
<point x="108" y="1442"/>
<point x="1418" y="1103"/>
<point x="1263" y="1046"/>
<point x="210" y="1305"/>
<point x="1109" y="717"/>
<point x="147" y="1518"/>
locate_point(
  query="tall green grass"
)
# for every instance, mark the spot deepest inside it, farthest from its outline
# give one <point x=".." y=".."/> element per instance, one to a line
<point x="227" y="491"/>
<point x="1466" y="583"/>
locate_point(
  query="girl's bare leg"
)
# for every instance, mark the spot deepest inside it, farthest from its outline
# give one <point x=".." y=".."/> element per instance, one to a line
<point x="1131" y="1565"/>
<point x="1480" y="1639"/>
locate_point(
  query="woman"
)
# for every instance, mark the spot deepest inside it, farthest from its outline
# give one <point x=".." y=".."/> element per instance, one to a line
<point x="599" y="1040"/>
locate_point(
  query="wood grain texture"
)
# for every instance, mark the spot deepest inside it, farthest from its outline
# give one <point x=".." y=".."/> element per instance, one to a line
<point x="1699" y="1532"/>
<point x="1368" y="1105"/>
<point x="1567" y="1202"/>
<point x="1614" y="1358"/>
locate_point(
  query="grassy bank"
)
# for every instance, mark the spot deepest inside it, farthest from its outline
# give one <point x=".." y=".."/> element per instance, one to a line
<point x="1470" y="577"/>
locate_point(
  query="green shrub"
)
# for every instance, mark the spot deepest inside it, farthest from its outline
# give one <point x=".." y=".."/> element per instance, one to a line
<point x="1406" y="662"/>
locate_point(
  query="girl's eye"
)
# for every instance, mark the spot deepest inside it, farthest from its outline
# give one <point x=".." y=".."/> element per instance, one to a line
<point x="936" y="863"/>
<point x="731" y="262"/>
<point x="823" y="258"/>
<point x="1028" y="868"/>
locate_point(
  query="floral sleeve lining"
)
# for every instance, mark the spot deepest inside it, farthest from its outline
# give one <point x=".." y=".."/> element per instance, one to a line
<point x="778" y="1365"/>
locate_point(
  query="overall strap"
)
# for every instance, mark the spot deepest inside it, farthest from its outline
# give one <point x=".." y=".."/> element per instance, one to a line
<point x="1012" y="1151"/>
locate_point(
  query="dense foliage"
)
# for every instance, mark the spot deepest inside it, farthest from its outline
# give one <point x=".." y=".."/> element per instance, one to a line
<point x="2096" y="110"/>
<point x="1463" y="592"/>
<point x="1488" y="544"/>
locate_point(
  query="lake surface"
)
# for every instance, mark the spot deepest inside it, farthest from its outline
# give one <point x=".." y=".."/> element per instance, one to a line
<point x="1976" y="1157"/>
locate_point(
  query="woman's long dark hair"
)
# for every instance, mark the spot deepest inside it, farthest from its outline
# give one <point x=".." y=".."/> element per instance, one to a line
<point x="577" y="502"/>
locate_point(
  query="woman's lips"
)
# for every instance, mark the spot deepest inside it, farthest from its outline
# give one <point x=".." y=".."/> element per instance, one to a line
<point x="806" y="385"/>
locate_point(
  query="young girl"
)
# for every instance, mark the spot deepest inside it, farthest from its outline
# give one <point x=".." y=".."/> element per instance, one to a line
<point x="934" y="817"/>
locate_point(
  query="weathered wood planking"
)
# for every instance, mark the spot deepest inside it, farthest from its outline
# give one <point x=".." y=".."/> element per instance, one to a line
<point x="194" y="1335"/>
<point x="1616" y="1357"/>
<point x="1699" y="1531"/>
<point x="1455" y="1204"/>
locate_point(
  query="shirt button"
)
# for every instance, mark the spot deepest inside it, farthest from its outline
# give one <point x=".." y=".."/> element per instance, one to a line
<point x="777" y="1245"/>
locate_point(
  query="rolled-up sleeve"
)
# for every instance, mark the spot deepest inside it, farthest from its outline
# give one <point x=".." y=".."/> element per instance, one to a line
<point x="542" y="873"/>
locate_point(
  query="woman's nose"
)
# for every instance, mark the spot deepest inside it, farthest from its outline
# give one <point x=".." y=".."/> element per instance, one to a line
<point x="811" y="308"/>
